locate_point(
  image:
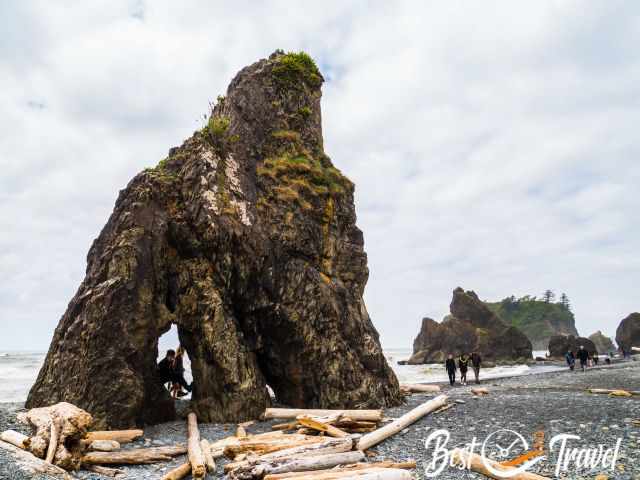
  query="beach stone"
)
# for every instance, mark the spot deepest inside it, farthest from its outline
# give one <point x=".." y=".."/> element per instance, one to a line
<point x="245" y="238"/>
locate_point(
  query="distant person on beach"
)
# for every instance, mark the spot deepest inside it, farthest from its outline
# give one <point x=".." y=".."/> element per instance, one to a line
<point x="476" y="360"/>
<point x="583" y="356"/>
<point x="463" y="365"/>
<point x="595" y="358"/>
<point x="571" y="359"/>
<point x="450" y="365"/>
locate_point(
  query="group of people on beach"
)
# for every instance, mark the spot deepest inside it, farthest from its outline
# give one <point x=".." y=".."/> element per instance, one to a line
<point x="463" y="365"/>
<point x="171" y="371"/>
<point x="586" y="359"/>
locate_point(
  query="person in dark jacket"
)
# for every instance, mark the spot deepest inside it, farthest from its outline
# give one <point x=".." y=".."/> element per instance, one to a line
<point x="178" y="373"/>
<point x="476" y="360"/>
<point x="463" y="365"/>
<point x="165" y="367"/>
<point x="450" y="365"/>
<point x="571" y="359"/>
<point x="583" y="356"/>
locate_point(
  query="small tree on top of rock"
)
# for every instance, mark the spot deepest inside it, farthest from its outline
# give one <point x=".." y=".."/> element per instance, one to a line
<point x="564" y="301"/>
<point x="548" y="296"/>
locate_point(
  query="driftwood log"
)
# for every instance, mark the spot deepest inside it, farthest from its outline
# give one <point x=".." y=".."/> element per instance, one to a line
<point x="15" y="438"/>
<point x="293" y="464"/>
<point x="120" y="436"/>
<point x="365" y="415"/>
<point x="419" y="388"/>
<point x="106" y="471"/>
<point x="377" y="436"/>
<point x="476" y="463"/>
<point x="208" y="457"/>
<point x="196" y="457"/>
<point x="58" y="433"/>
<point x="263" y="446"/>
<point x="374" y="473"/>
<point x="178" y="473"/>
<point x="326" y="447"/>
<point x="28" y="462"/>
<point x="313" y="423"/>
<point x="344" y="469"/>
<point x="134" y="456"/>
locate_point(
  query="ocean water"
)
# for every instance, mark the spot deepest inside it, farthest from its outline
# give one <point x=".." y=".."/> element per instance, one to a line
<point x="18" y="371"/>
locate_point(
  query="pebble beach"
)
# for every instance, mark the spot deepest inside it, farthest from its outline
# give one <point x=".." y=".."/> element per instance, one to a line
<point x="551" y="402"/>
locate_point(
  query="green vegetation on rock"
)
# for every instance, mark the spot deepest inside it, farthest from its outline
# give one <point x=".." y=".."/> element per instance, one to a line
<point x="537" y="319"/>
<point x="291" y="68"/>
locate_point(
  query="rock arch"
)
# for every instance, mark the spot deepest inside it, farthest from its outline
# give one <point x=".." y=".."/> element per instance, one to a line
<point x="245" y="238"/>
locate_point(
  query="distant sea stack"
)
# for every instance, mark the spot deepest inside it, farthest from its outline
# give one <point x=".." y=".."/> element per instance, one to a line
<point x="628" y="332"/>
<point x="559" y="345"/>
<point x="472" y="326"/>
<point x="245" y="237"/>
<point x="603" y="343"/>
<point x="538" y="319"/>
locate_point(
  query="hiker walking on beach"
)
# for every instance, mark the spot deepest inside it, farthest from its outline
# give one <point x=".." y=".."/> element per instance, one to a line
<point x="450" y="365"/>
<point x="476" y="360"/>
<point x="583" y="356"/>
<point x="463" y="364"/>
<point x="571" y="359"/>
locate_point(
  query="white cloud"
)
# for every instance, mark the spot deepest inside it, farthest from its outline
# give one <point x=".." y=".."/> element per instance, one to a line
<point x="492" y="146"/>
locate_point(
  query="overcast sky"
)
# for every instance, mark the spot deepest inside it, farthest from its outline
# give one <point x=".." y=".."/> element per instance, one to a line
<point x="494" y="145"/>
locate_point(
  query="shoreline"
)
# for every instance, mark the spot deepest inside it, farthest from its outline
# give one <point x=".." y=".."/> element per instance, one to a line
<point x="553" y="402"/>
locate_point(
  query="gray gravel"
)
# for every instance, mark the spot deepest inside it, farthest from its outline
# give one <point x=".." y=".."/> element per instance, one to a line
<point x="553" y="402"/>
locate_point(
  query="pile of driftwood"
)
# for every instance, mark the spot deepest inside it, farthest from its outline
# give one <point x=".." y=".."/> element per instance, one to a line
<point x="325" y="445"/>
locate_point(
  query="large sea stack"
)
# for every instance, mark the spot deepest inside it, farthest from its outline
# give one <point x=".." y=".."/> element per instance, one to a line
<point x="245" y="238"/>
<point x="602" y="343"/>
<point x="559" y="345"/>
<point x="472" y="326"/>
<point x="628" y="332"/>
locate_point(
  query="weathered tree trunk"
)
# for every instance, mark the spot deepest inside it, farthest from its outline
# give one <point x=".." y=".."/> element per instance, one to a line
<point x="134" y="456"/>
<point x="178" y="473"/>
<point x="374" y="473"/>
<point x="15" y="438"/>
<point x="480" y="391"/>
<point x="120" y="436"/>
<point x="365" y="415"/>
<point x="475" y="462"/>
<point x="58" y="431"/>
<point x="404" y="421"/>
<point x="196" y="457"/>
<point x="29" y="462"/>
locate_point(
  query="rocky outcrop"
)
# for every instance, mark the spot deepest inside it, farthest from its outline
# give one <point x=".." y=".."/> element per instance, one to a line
<point x="245" y="238"/>
<point x="472" y="326"/>
<point x="628" y="332"/>
<point x="602" y="343"/>
<point x="537" y="319"/>
<point x="559" y="345"/>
